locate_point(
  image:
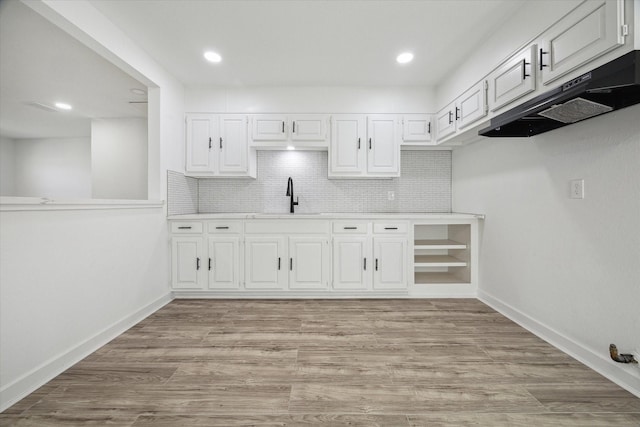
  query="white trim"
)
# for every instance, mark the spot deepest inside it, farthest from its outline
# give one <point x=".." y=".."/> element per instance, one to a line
<point x="623" y="375"/>
<point x="29" y="382"/>
<point x="316" y="294"/>
<point x="46" y="204"/>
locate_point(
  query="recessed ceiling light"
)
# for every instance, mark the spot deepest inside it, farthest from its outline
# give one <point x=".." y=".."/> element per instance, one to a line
<point x="405" y="57"/>
<point x="137" y="91"/>
<point x="63" y="106"/>
<point x="211" y="56"/>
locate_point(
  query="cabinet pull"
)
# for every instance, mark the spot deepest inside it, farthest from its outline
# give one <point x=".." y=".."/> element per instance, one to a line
<point x="369" y="143"/>
<point x="294" y="127"/>
<point x="365" y="264"/>
<point x="283" y="127"/>
<point x="391" y="228"/>
<point x="197" y="263"/>
<point x="429" y="128"/>
<point x="221" y="143"/>
<point x="209" y="264"/>
<point x="209" y="143"/>
<point x="278" y="263"/>
<point x="542" y="64"/>
<point x="184" y="228"/>
<point x="524" y="69"/>
<point x="457" y="114"/>
<point x="222" y="228"/>
<point x="290" y="264"/>
<point x="358" y="143"/>
<point x="350" y="228"/>
<point x="376" y="264"/>
<point x="450" y="117"/>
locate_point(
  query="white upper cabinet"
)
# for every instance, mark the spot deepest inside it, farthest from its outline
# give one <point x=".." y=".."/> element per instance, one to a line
<point x="308" y="127"/>
<point x="281" y="130"/>
<point x="217" y="146"/>
<point x="269" y="127"/>
<point x="471" y="106"/>
<point x="383" y="156"/>
<point x="359" y="152"/>
<point x="233" y="145"/>
<point x="202" y="129"/>
<point x="468" y="108"/>
<point x="347" y="153"/>
<point x="514" y="79"/>
<point x="445" y="121"/>
<point x="592" y="29"/>
<point x="416" y="128"/>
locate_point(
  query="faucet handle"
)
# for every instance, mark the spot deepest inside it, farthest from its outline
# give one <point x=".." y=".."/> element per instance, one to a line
<point x="296" y="202"/>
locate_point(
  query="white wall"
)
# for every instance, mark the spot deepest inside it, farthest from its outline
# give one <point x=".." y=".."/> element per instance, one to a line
<point x="565" y="266"/>
<point x="53" y="167"/>
<point x="70" y="280"/>
<point x="119" y="158"/>
<point x="7" y="160"/>
<point x="311" y="100"/>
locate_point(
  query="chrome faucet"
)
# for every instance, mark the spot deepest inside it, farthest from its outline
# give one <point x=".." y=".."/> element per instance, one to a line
<point x="290" y="194"/>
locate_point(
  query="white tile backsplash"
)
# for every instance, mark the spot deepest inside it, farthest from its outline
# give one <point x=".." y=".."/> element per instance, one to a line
<point x="424" y="186"/>
<point x="182" y="194"/>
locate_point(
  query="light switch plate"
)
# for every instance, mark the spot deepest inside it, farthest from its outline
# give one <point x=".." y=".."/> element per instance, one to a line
<point x="391" y="195"/>
<point x="577" y="189"/>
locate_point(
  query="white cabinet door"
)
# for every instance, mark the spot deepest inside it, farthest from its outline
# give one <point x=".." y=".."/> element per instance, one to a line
<point x="416" y="128"/>
<point x="445" y="121"/>
<point x="308" y="262"/>
<point x="383" y="158"/>
<point x="390" y="263"/>
<point x="347" y="150"/>
<point x="308" y="127"/>
<point x="187" y="263"/>
<point x="223" y="263"/>
<point x="232" y="145"/>
<point x="201" y="133"/>
<point x="352" y="263"/>
<point x="471" y="106"/>
<point x="592" y="29"/>
<point x="514" y="79"/>
<point x="265" y="262"/>
<point x="269" y="127"/>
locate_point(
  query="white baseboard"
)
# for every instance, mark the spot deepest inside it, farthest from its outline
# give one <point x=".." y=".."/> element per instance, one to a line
<point x="626" y="376"/>
<point x="288" y="294"/>
<point x="31" y="381"/>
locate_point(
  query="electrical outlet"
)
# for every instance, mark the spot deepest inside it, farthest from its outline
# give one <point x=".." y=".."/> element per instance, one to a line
<point x="577" y="188"/>
<point x="391" y="195"/>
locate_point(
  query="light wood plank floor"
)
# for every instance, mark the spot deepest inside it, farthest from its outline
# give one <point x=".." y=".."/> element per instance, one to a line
<point x="345" y="362"/>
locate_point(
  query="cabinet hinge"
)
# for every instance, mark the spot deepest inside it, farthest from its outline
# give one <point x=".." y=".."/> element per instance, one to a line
<point x="624" y="30"/>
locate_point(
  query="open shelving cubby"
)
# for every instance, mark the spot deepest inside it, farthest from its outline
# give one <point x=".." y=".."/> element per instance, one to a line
<point x="442" y="253"/>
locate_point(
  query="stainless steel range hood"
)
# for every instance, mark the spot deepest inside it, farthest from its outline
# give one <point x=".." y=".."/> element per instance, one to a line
<point x="609" y="87"/>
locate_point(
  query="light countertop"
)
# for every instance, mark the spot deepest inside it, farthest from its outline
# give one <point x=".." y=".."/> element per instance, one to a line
<point x="302" y="215"/>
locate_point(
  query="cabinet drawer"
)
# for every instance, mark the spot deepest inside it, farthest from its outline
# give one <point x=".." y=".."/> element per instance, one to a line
<point x="390" y="227"/>
<point x="348" y="227"/>
<point x="224" y="227"/>
<point x="186" y="227"/>
<point x="287" y="227"/>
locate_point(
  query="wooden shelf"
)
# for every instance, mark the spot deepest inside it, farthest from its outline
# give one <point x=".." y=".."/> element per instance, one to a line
<point x="438" y="261"/>
<point x="439" y="244"/>
<point x="436" y="277"/>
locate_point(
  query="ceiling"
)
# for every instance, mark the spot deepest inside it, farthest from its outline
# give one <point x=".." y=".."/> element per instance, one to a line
<point x="40" y="64"/>
<point x="262" y="42"/>
<point x="308" y="42"/>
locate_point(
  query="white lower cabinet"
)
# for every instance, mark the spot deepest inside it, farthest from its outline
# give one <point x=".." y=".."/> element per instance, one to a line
<point x="390" y="263"/>
<point x="351" y="254"/>
<point x="187" y="258"/>
<point x="318" y="257"/>
<point x="265" y="259"/>
<point x="223" y="262"/>
<point x="308" y="262"/>
<point x="280" y="262"/>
